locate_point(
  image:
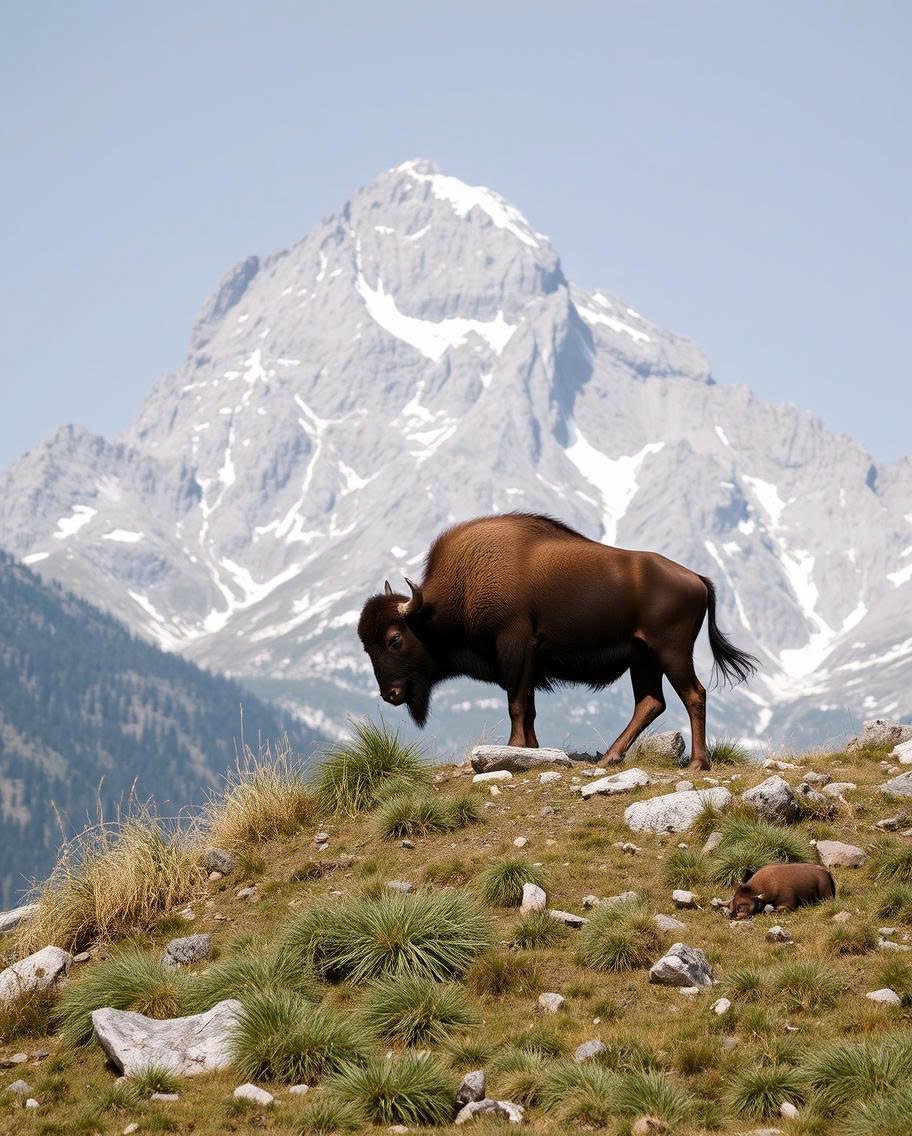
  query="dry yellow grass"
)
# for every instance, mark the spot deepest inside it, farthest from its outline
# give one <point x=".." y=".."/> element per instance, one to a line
<point x="114" y="880"/>
<point x="266" y="795"/>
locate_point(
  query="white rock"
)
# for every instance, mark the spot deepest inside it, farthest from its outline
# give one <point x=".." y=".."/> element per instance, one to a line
<point x="588" y="1050"/>
<point x="506" y="1110"/>
<point x="836" y="854"/>
<point x="551" y="1003"/>
<point x="721" y="1006"/>
<point x="900" y="786"/>
<point x="37" y="972"/>
<point x="684" y="786"/>
<point x="496" y="775"/>
<point x="533" y="898"/>
<point x="299" y="1090"/>
<point x="568" y="918"/>
<point x="712" y="843"/>
<point x="130" y="1129"/>
<point x="778" y="935"/>
<point x="550" y="778"/>
<point x="185" y="1046"/>
<point x="903" y="753"/>
<point x="250" y="892"/>
<point x="400" y="885"/>
<point x="682" y="966"/>
<point x="666" y="746"/>
<point x="625" y="781"/>
<point x="887" y="996"/>
<point x="516" y="759"/>
<point x="10" y="920"/>
<point x="674" y="812"/>
<point x="167" y="1098"/>
<point x="31" y="1103"/>
<point x="682" y="898"/>
<point x="668" y="923"/>
<point x="253" y="1093"/>
<point x="773" y="799"/>
<point x="19" y="1088"/>
<point x="886" y="945"/>
<point x="838" y="789"/>
<point x="520" y="842"/>
<point x="881" y="732"/>
<point x="788" y="1111"/>
<point x="187" y="950"/>
<point x="471" y="1088"/>
<point x="780" y="766"/>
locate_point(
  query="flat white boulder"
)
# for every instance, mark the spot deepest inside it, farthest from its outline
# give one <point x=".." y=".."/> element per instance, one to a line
<point x="10" y="920"/>
<point x="674" y="812"/>
<point x="501" y="1109"/>
<point x="494" y="775"/>
<point x="836" y="854"/>
<point x="900" y="786"/>
<point x="253" y="1093"/>
<point x="624" y="781"/>
<point x="516" y="759"/>
<point x="185" y="1046"/>
<point x="37" y="972"/>
<point x="902" y="753"/>
<point x="887" y="996"/>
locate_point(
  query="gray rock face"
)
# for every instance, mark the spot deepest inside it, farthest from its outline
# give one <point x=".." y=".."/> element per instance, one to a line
<point x="322" y="383"/>
<point x="199" y="1043"/>
<point x="902" y="753"/>
<point x="712" y="843"/>
<point x="836" y="854"/>
<point x="533" y="898"/>
<point x="625" y="781"/>
<point x="550" y="1002"/>
<point x="506" y="1110"/>
<point x="471" y="1088"/>
<point x="773" y="799"/>
<point x="900" y="786"/>
<point x="588" y="1050"/>
<point x="674" y="812"/>
<point x="187" y="950"/>
<point x="882" y="732"/>
<point x="218" y="860"/>
<point x="682" y="966"/>
<point x="36" y="972"/>
<point x="668" y="923"/>
<point x="666" y="747"/>
<point x="517" y="759"/>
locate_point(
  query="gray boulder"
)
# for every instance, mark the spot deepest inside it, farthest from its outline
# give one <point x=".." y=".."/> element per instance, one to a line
<point x="902" y="753"/>
<point x="624" y="781"/>
<point x="472" y="1088"/>
<point x="533" y="898"/>
<point x="682" y="966"/>
<point x="900" y="786"/>
<point x="187" y="950"/>
<point x="712" y="843"/>
<point x="835" y="854"/>
<point x="674" y="812"/>
<point x="588" y="1050"/>
<point x="886" y="996"/>
<point x="218" y="860"/>
<point x="881" y="732"/>
<point x="551" y="1002"/>
<point x="773" y="799"/>
<point x="186" y="1046"/>
<point x="668" y="923"/>
<point x="567" y="918"/>
<point x="516" y="759"/>
<point x="667" y="747"/>
<point x="10" y="920"/>
<point x="37" y="972"/>
<point x="837" y="789"/>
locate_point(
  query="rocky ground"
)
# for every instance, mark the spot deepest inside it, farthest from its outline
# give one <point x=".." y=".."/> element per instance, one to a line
<point x="721" y="1021"/>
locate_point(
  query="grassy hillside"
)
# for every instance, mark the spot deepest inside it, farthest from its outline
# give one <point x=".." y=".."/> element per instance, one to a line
<point x="381" y="1001"/>
<point x="90" y="714"/>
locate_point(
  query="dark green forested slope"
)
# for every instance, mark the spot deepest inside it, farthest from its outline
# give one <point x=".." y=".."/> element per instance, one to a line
<point x="88" y="712"/>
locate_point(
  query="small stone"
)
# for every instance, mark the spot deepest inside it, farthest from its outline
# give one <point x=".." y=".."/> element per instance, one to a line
<point x="247" y="892"/>
<point x="814" y="778"/>
<point x="187" y="950"/>
<point x="551" y="1003"/>
<point x="625" y="781"/>
<point x="590" y="901"/>
<point x="690" y="991"/>
<point x="715" y="903"/>
<point x="400" y="885"/>
<point x="768" y="909"/>
<point x="398" y="1129"/>
<point x="520" y="842"/>
<point x="321" y="838"/>
<point x="891" y="824"/>
<point x="471" y="1088"/>
<point x="780" y="766"/>
<point x="36" y="972"/>
<point x="83" y="956"/>
<point x="588" y="1050"/>
<point x="533" y="898"/>
<point x="218" y="860"/>
<point x="406" y="843"/>
<point x="548" y="811"/>
<point x="729" y="1043"/>
<point x="188" y="914"/>
<point x="16" y="1059"/>
<point x="516" y="759"/>
<point x="20" y="1088"/>
<point x="778" y="935"/>
<point x="666" y="747"/>
<point x="31" y="1103"/>
<point x="788" y="1111"/>
<point x="773" y="800"/>
<point x="721" y="1006"/>
<point x="165" y="1098"/>
<point x="214" y="877"/>
<point x="682" y="898"/>
<point x="567" y="918"/>
<point x="299" y="1090"/>
<point x="550" y="778"/>
<point x="253" y="1093"/>
<point x="887" y="996"/>
<point x="668" y="923"/>
<point x="496" y="775"/>
<point x="886" y="945"/>
<point x="627" y="848"/>
<point x="684" y="786"/>
<point x="839" y="788"/>
<point x="836" y="854"/>
<point x="131" y="1128"/>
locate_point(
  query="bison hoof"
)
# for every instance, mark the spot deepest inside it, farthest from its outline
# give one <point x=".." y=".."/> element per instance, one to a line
<point x="699" y="765"/>
<point x="611" y="759"/>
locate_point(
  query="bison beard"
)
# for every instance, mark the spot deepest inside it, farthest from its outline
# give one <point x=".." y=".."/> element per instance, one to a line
<point x="527" y="603"/>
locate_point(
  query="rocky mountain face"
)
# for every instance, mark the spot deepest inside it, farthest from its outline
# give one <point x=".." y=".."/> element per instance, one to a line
<point x="418" y="359"/>
<point x="94" y="719"/>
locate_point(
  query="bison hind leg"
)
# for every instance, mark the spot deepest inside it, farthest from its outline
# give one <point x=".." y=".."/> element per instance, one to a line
<point x="649" y="703"/>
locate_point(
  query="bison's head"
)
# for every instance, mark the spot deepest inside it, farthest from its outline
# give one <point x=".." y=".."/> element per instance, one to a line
<point x="745" y="903"/>
<point x="403" y="666"/>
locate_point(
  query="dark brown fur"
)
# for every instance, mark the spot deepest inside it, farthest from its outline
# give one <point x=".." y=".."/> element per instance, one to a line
<point x="525" y="602"/>
<point x="783" y="886"/>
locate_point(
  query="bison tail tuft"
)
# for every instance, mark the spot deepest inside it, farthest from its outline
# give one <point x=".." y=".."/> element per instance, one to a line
<point x="732" y="664"/>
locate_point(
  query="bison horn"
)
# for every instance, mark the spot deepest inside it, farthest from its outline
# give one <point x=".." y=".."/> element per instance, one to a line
<point x="387" y="590"/>
<point x="414" y="604"/>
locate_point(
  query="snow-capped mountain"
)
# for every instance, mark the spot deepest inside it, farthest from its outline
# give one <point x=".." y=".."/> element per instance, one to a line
<point x="421" y="358"/>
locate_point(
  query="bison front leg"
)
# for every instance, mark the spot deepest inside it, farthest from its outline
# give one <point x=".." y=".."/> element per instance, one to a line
<point x="516" y="656"/>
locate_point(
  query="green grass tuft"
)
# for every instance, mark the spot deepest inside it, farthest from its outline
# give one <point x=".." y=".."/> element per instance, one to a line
<point x="128" y="980"/>
<point x="351" y="776"/>
<point x="324" y="1117"/>
<point x="416" y="1011"/>
<point x="895" y="902"/>
<point x="154" y="1079"/>
<point x="501" y="883"/>
<point x="622" y="936"/>
<point x="413" y="812"/>
<point x="433" y="935"/>
<point x="889" y="861"/>
<point x="409" y="1090"/>
<point x="537" y="930"/>
<point x="748" y="845"/>
<point x="886" y="1115"/>
<point x="746" y="983"/>
<point x="808" y="985"/>
<point x="496" y="973"/>
<point x="281" y="1037"/>
<point x="759" y="1090"/>
<point x="249" y="972"/>
<point x="684" y="868"/>
<point x="842" y="1073"/>
<point x="857" y="937"/>
<point x="727" y="751"/>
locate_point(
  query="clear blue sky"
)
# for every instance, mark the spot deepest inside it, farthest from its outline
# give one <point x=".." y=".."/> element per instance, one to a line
<point x="738" y="172"/>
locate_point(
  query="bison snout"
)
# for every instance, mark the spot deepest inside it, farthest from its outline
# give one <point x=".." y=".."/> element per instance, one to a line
<point x="394" y="695"/>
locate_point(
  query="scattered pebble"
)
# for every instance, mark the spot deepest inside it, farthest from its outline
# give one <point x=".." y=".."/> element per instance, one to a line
<point x="131" y="1128"/>
<point x="299" y="1090"/>
<point x="165" y="1098"/>
<point x="520" y="842"/>
<point x="406" y="843"/>
<point x="788" y="1111"/>
<point x="682" y="898"/>
<point x="588" y="1050"/>
<point x="20" y="1088"/>
<point x="568" y="918"/>
<point x="496" y="775"/>
<point x="253" y="1093"/>
<point x="550" y="778"/>
<point x="83" y="956"/>
<point x="31" y="1103"/>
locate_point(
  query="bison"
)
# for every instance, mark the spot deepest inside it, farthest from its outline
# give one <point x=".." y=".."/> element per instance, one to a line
<point x="524" y="601"/>
<point x="782" y="886"/>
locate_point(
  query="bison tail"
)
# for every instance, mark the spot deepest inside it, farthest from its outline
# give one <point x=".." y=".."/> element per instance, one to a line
<point x="731" y="663"/>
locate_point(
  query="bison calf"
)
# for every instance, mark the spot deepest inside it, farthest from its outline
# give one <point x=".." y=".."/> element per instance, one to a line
<point x="784" y="886"/>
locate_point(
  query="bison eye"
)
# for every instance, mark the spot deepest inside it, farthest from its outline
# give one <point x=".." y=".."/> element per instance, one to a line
<point x="395" y="642"/>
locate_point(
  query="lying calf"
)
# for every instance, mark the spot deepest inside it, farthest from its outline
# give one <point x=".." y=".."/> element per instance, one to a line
<point x="783" y="886"/>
